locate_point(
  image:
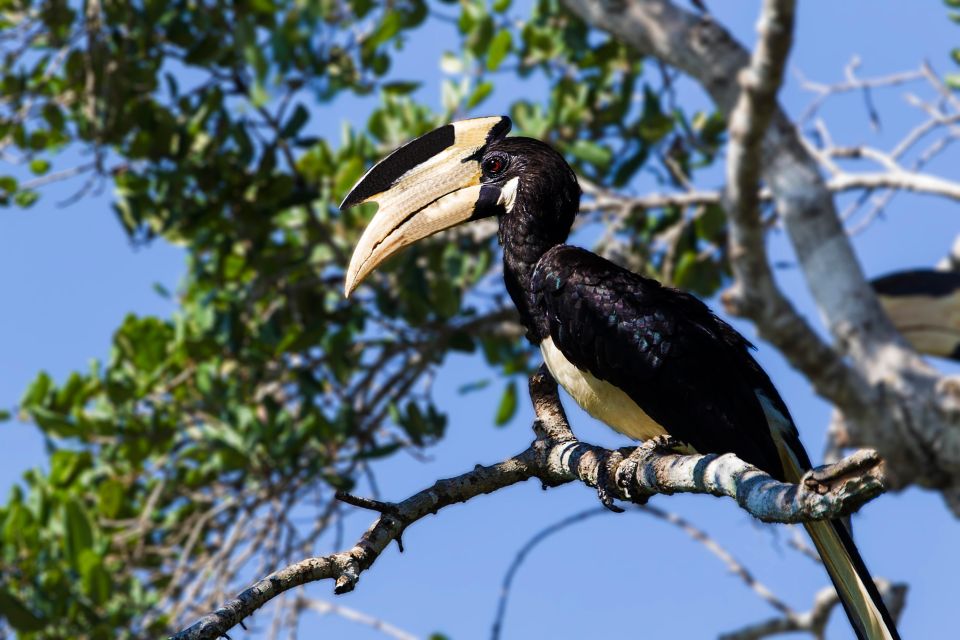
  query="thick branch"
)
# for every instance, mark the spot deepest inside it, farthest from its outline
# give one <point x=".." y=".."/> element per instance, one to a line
<point x="556" y="457"/>
<point x="755" y="294"/>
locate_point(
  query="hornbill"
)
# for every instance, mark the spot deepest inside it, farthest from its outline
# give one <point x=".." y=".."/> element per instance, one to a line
<point x="646" y="359"/>
<point x="924" y="305"/>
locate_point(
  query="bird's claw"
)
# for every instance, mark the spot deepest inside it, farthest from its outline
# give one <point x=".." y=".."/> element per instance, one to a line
<point x="665" y="444"/>
<point x="606" y="479"/>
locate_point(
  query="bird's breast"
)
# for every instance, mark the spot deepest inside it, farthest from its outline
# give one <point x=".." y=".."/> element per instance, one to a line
<point x="599" y="398"/>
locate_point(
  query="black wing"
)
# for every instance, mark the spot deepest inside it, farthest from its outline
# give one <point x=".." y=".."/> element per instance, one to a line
<point x="686" y="368"/>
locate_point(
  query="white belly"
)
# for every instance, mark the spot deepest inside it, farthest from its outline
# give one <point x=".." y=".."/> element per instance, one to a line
<point x="599" y="398"/>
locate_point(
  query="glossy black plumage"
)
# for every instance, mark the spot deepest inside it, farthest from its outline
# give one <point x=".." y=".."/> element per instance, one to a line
<point x="688" y="369"/>
<point x="685" y="368"/>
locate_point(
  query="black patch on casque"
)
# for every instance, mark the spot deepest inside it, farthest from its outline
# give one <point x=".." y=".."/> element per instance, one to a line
<point x="500" y="129"/>
<point x="497" y="132"/>
<point x="918" y="282"/>
<point x="415" y="152"/>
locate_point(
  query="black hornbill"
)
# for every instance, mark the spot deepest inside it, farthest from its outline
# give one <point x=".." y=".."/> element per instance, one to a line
<point x="647" y="360"/>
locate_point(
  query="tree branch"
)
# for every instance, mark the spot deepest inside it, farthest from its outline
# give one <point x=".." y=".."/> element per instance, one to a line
<point x="556" y="457"/>
<point x="815" y="620"/>
<point x="755" y="294"/>
<point x="843" y="182"/>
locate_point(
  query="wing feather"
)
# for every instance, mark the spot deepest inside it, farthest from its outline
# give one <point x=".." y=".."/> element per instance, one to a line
<point x="684" y="366"/>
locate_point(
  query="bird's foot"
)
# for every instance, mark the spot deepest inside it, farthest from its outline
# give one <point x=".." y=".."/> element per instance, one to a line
<point x="665" y="444"/>
<point x="606" y="480"/>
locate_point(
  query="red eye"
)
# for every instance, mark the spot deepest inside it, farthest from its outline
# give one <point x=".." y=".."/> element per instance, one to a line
<point x="493" y="165"/>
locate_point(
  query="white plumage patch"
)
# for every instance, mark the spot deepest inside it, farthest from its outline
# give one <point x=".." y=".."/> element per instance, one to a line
<point x="599" y="398"/>
<point x="508" y="194"/>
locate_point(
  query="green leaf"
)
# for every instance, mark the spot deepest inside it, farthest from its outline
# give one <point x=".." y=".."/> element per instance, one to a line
<point x="400" y="88"/>
<point x="39" y="166"/>
<point x="37" y="392"/>
<point x="508" y="405"/>
<point x="654" y="123"/>
<point x="711" y="222"/>
<point x="382" y="451"/>
<point x="483" y="90"/>
<point x="499" y="48"/>
<point x="79" y="531"/>
<point x="591" y="152"/>
<point x="26" y="198"/>
<point x="66" y="465"/>
<point x="94" y="577"/>
<point x="4" y="415"/>
<point x="110" y="495"/>
<point x="388" y="27"/>
<point x="17" y="613"/>
<point x="696" y="274"/>
<point x="296" y="122"/>
<point x="953" y="80"/>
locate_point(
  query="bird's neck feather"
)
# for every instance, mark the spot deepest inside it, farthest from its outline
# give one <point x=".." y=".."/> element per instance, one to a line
<point x="525" y="238"/>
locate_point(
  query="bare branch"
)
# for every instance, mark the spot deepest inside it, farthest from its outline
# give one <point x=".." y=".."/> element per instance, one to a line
<point x="714" y="547"/>
<point x="522" y="555"/>
<point x="556" y="458"/>
<point x="815" y="620"/>
<point x="329" y="608"/>
<point x="755" y="294"/>
<point x="842" y="182"/>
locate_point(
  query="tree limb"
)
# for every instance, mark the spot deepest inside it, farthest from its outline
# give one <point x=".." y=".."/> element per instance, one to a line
<point x="755" y="293"/>
<point x="556" y="457"/>
<point x="814" y="621"/>
<point x="843" y="182"/>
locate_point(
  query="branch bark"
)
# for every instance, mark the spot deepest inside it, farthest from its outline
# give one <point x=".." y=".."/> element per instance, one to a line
<point x="556" y="457"/>
<point x="755" y="294"/>
<point x="843" y="182"/>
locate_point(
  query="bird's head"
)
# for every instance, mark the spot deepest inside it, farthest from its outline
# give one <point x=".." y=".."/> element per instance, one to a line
<point x="463" y="171"/>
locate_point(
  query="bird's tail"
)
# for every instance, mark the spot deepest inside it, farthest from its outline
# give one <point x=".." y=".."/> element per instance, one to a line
<point x="858" y="593"/>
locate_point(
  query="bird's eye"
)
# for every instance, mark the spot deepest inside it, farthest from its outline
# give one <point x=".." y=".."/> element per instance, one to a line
<point x="494" y="165"/>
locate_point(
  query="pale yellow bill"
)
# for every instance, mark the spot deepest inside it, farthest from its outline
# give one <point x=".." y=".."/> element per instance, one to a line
<point x="435" y="194"/>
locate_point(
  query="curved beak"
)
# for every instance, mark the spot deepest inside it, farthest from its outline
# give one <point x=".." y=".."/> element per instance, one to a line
<point x="427" y="185"/>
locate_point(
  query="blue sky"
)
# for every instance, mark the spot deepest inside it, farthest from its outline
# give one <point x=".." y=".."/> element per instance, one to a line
<point x="69" y="276"/>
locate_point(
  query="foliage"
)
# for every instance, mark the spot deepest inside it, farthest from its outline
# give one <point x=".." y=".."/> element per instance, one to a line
<point x="172" y="455"/>
<point x="953" y="79"/>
